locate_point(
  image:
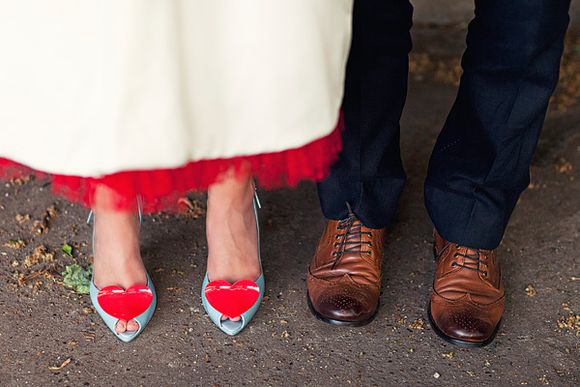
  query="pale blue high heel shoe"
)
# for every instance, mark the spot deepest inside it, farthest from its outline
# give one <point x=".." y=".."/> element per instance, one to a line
<point x="111" y="321"/>
<point x="228" y="326"/>
<point x="111" y="298"/>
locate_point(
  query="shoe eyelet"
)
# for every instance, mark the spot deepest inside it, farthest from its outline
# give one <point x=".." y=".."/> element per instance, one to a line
<point x="454" y="264"/>
<point x="484" y="273"/>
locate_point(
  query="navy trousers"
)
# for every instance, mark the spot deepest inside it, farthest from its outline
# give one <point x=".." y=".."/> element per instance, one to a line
<point x="480" y="163"/>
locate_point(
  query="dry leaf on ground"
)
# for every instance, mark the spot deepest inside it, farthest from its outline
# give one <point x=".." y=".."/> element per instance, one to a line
<point x="60" y="367"/>
<point x="15" y="244"/>
<point x="38" y="256"/>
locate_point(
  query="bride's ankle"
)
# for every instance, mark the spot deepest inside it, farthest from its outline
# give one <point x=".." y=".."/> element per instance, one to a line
<point x="231" y="192"/>
<point x="117" y="257"/>
<point x="118" y="230"/>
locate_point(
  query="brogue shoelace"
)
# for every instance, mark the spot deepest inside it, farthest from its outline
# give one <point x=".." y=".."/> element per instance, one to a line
<point x="350" y="241"/>
<point x="471" y="261"/>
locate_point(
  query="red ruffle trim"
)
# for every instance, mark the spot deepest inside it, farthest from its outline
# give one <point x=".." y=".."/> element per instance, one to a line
<point x="161" y="189"/>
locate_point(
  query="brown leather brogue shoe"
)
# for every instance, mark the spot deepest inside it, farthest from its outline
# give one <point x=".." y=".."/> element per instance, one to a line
<point x="344" y="277"/>
<point x="468" y="296"/>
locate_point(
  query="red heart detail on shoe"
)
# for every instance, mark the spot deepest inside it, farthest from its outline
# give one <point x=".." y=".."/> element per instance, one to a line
<point x="125" y="304"/>
<point x="232" y="300"/>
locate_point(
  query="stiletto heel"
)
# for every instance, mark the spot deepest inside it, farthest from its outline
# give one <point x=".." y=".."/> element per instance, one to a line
<point x="241" y="299"/>
<point x="113" y="303"/>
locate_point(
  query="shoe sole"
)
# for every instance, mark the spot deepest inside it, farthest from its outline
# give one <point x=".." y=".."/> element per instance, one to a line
<point x="341" y="323"/>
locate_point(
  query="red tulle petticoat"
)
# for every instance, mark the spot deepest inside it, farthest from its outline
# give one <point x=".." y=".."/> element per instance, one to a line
<point x="160" y="189"/>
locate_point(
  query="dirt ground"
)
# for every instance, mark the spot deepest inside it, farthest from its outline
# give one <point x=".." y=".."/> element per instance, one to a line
<point x="49" y="335"/>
